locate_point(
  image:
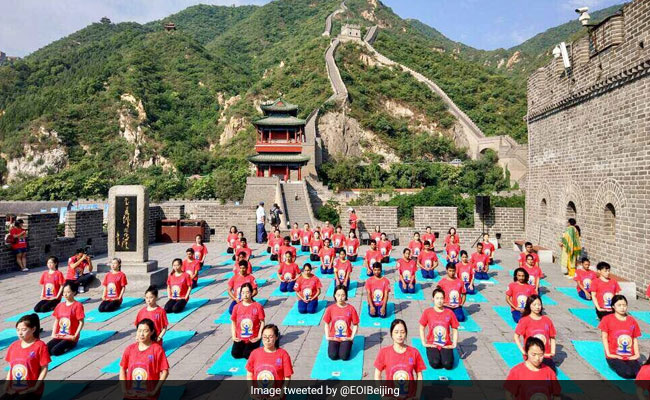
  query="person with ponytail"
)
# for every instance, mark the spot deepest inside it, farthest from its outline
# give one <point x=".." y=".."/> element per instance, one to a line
<point x="620" y="333"/>
<point x="534" y="324"/>
<point x="52" y="281"/>
<point x="28" y="359"/>
<point x="532" y="378"/>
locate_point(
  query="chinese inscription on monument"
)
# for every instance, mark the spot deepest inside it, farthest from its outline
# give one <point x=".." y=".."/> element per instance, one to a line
<point x="126" y="223"/>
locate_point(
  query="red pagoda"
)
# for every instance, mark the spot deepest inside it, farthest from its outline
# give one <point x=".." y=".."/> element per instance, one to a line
<point x="280" y="136"/>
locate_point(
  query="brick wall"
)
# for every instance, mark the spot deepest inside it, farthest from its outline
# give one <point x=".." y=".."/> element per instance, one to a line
<point x="589" y="146"/>
<point x="7" y="260"/>
<point x="438" y="218"/>
<point x="371" y="216"/>
<point x="87" y="228"/>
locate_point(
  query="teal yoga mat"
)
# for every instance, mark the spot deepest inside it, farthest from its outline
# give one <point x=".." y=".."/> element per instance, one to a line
<point x="324" y="368"/>
<point x="418" y="295"/>
<point x="88" y="340"/>
<point x="267" y="262"/>
<point x="469" y="325"/>
<point x="226" y="365"/>
<point x="506" y="315"/>
<point x="259" y="282"/>
<point x="643" y="316"/>
<point x="366" y="321"/>
<point x="224" y="318"/>
<point x="588" y="315"/>
<point x="476" y="298"/>
<point x="511" y="355"/>
<point x="594" y="354"/>
<point x="573" y="293"/>
<point x="62" y="390"/>
<point x="231" y="273"/>
<point x="205" y="267"/>
<point x="352" y="290"/>
<point x="226" y="263"/>
<point x="490" y="281"/>
<point x="7" y="337"/>
<point x="496" y="267"/>
<point x="191" y="306"/>
<point x="173" y="340"/>
<point x="294" y="318"/>
<point x="457" y="373"/>
<point x="547" y="301"/>
<point x="127" y="304"/>
<point x="16" y="317"/>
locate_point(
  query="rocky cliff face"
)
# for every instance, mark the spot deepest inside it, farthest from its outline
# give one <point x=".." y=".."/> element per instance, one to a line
<point x="43" y="156"/>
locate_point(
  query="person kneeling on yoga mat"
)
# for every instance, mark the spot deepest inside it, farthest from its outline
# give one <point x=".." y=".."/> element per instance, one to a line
<point x="342" y="270"/>
<point x="68" y="321"/>
<point x="341" y="323"/>
<point x="534" y="323"/>
<point x="406" y="270"/>
<point x="532" y="378"/>
<point x="247" y="324"/>
<point x="236" y="282"/>
<point x="52" y="281"/>
<point x="441" y="327"/>
<point x="308" y="288"/>
<point x="454" y="290"/>
<point x="377" y="289"/>
<point x="315" y="246"/>
<point x="465" y="272"/>
<point x="518" y="293"/>
<point x="153" y="312"/>
<point x="620" y="333"/>
<point x="114" y="287"/>
<point x="327" y="255"/>
<point x="179" y="286"/>
<point x="288" y="272"/>
<point x="28" y="359"/>
<point x="144" y="360"/>
<point x="269" y="365"/>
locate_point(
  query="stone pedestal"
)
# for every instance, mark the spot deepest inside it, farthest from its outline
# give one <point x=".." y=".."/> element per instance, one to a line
<point x="128" y="237"/>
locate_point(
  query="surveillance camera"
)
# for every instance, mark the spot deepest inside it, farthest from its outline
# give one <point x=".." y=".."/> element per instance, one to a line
<point x="582" y="10"/>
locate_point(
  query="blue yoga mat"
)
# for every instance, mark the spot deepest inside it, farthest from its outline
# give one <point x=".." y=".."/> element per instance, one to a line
<point x="352" y="369"/>
<point x="506" y="315"/>
<point x="267" y="262"/>
<point x="62" y="390"/>
<point x="418" y="295"/>
<point x="224" y="318"/>
<point x="366" y="321"/>
<point x="226" y="365"/>
<point x="476" y="298"/>
<point x="294" y="318"/>
<point x="512" y="356"/>
<point x="231" y="273"/>
<point x="457" y="373"/>
<point x="127" y="304"/>
<point x="16" y="317"/>
<point x="278" y="293"/>
<point x="259" y="282"/>
<point x="226" y="263"/>
<point x="173" y="340"/>
<point x="7" y="337"/>
<point x="352" y="290"/>
<point x="594" y="354"/>
<point x="88" y="340"/>
<point x="358" y="262"/>
<point x="547" y="301"/>
<point x="205" y="267"/>
<point x="191" y="306"/>
<point x="573" y="293"/>
<point x="469" y="325"/>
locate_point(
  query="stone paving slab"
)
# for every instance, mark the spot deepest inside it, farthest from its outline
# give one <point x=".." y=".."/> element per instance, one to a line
<point x="20" y="291"/>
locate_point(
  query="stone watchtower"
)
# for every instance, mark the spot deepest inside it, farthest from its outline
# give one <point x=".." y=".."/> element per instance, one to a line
<point x="350" y="31"/>
<point x="589" y="144"/>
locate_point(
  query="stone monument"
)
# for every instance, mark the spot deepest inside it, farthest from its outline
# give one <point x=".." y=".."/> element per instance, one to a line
<point x="128" y="236"/>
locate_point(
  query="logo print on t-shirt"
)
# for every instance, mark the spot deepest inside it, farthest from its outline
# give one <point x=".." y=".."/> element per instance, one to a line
<point x="427" y="263"/>
<point x="176" y="291"/>
<point x="465" y="276"/>
<point x="416" y="251"/>
<point x="350" y="249"/>
<point x="306" y="293"/>
<point x="326" y="260"/>
<point x="406" y="275"/>
<point x="139" y="375"/>
<point x="439" y="335"/>
<point x="521" y="300"/>
<point x="265" y="377"/>
<point x="538" y="396"/>
<point x="452" y="254"/>
<point x="586" y="283"/>
<point x="607" y="297"/>
<point x="624" y="345"/>
<point x="402" y="377"/>
<point x="18" y="374"/>
<point x="111" y="290"/>
<point x="340" y="329"/>
<point x="197" y="255"/>
<point x="64" y="326"/>
<point x="341" y="274"/>
<point x="453" y="297"/>
<point x="246" y="328"/>
<point x="276" y="248"/>
<point x="378" y="295"/>
<point x="531" y="280"/>
<point x="541" y="337"/>
<point x="479" y="266"/>
<point x="487" y="252"/>
<point x="383" y="251"/>
<point x="49" y="290"/>
<point x="287" y="276"/>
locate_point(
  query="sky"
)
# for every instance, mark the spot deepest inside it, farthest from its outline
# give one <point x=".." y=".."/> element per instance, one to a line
<point x="27" y="25"/>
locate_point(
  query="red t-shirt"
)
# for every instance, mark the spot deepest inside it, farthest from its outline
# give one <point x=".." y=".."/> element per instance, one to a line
<point x="143" y="365"/>
<point x="179" y="285"/>
<point x="74" y="273"/>
<point x="479" y="261"/>
<point x="232" y="240"/>
<point x="416" y="248"/>
<point x="620" y="334"/>
<point x="407" y="269"/>
<point x="372" y="256"/>
<point x="453" y="291"/>
<point x="353" y="221"/>
<point x="440" y="325"/>
<point x="25" y="364"/>
<point x="488" y="249"/>
<point x="295" y="234"/>
<point x="342" y="267"/>
<point x="327" y="255"/>
<point x="287" y="249"/>
<point x="453" y="251"/>
<point x="542" y="329"/>
<point x="586" y="278"/>
<point x="237" y="243"/>
<point x="341" y="320"/>
<point x="275" y="243"/>
<point x="305" y="237"/>
<point x="245" y="250"/>
<point x="114" y="284"/>
<point x="385" y="247"/>
<point x="68" y="317"/>
<point x="249" y="268"/>
<point x="327" y="232"/>
<point x="465" y="272"/>
<point x="199" y="251"/>
<point x="352" y="246"/>
<point x="525" y="384"/>
<point x="338" y="240"/>
<point x="193" y="266"/>
<point x="315" y="246"/>
<point x="604" y="291"/>
<point x="449" y="241"/>
<point x="522" y="258"/>
<point x="270" y="367"/>
<point x="428" y="258"/>
<point x="19" y="242"/>
<point x="429" y="237"/>
<point x="235" y="283"/>
<point x="643" y="377"/>
<point x="377" y="287"/>
<point x="157" y="315"/>
<point x="288" y="271"/>
<point x="534" y="275"/>
<point x="308" y="287"/>
<point x="400" y="368"/>
<point x="51" y="284"/>
<point x="519" y="293"/>
<point x="247" y="320"/>
<point x="375" y="237"/>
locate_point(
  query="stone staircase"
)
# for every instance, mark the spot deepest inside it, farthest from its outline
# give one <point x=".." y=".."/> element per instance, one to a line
<point x="297" y="203"/>
<point x="319" y="194"/>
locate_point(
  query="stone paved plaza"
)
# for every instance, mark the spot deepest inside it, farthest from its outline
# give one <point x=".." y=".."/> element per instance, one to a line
<point x="192" y="360"/>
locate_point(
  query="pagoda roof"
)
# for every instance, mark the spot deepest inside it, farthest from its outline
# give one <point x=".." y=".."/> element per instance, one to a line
<point x="284" y="120"/>
<point x="278" y="104"/>
<point x="274" y="157"/>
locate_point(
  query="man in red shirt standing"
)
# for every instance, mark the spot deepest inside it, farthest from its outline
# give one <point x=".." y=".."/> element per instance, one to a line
<point x="353" y="219"/>
<point x="18" y="239"/>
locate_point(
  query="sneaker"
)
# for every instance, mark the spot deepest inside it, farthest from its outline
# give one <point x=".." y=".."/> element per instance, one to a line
<point x="24" y="270"/>
<point x="82" y="289"/>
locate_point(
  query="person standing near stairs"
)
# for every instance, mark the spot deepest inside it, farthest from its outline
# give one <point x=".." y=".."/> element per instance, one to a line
<point x="275" y="216"/>
<point x="260" y="217"/>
